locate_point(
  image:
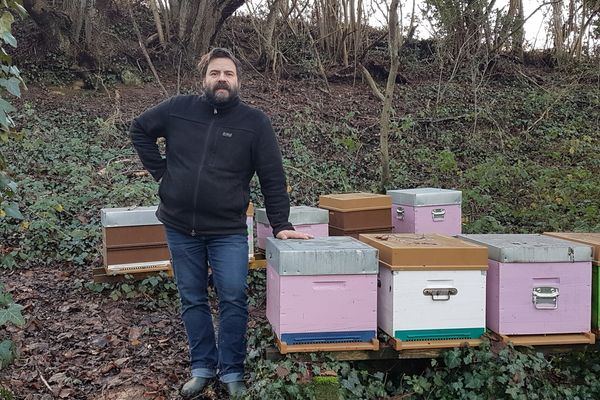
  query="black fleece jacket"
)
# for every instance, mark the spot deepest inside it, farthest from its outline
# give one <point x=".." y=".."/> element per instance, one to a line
<point x="212" y="152"/>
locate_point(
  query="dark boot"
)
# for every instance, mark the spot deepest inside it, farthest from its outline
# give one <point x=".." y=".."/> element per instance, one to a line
<point x="235" y="388"/>
<point x="194" y="387"/>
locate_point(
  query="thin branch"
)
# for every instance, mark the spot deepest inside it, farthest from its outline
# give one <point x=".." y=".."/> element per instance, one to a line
<point x="45" y="382"/>
<point x="143" y="47"/>
<point x="372" y="83"/>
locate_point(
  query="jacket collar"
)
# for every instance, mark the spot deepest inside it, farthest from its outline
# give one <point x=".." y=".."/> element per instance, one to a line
<point x="222" y="107"/>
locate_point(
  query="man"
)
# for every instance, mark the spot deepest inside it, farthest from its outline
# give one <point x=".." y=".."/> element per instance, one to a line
<point x="214" y="145"/>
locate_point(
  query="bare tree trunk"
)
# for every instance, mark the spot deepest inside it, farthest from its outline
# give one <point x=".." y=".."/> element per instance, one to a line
<point x="199" y="22"/>
<point x="90" y="16"/>
<point x="267" y="57"/>
<point x="56" y="25"/>
<point x="318" y="58"/>
<point x="515" y="15"/>
<point x="174" y="7"/>
<point x="157" y="22"/>
<point x="585" y="24"/>
<point x="78" y="16"/>
<point x="357" y="28"/>
<point x="187" y="12"/>
<point x="143" y="48"/>
<point x="394" y="46"/>
<point x="557" y="28"/>
<point x="167" y="19"/>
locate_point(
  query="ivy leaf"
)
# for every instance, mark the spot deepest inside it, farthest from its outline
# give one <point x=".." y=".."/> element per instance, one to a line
<point x="5" y="298"/>
<point x="513" y="392"/>
<point x="9" y="38"/>
<point x="5" y="22"/>
<point x="8" y="353"/>
<point x="453" y="359"/>
<point x="6" y="106"/>
<point x="4" y="57"/>
<point x="12" y="210"/>
<point x="6" y="182"/>
<point x="12" y="85"/>
<point x="15" y="5"/>
<point x="12" y="314"/>
<point x="472" y="381"/>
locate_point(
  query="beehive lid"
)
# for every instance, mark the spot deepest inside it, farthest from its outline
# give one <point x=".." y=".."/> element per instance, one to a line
<point x="299" y="215"/>
<point x="591" y="239"/>
<point x="334" y="255"/>
<point x="409" y="251"/>
<point x="355" y="201"/>
<point x="531" y="248"/>
<point x="129" y="216"/>
<point x="425" y="197"/>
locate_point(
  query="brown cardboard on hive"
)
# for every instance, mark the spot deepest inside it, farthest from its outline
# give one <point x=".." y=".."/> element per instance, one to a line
<point x="591" y="239"/>
<point x="408" y="251"/>
<point x="355" y="201"/>
<point x="333" y="231"/>
<point x="358" y="212"/>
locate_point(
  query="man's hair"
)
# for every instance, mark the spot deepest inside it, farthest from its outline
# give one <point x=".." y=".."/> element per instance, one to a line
<point x="218" y="52"/>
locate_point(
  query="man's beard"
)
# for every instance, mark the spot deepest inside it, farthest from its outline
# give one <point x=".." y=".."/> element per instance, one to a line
<point x="220" y="98"/>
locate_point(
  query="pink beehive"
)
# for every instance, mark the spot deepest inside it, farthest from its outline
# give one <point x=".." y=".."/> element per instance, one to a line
<point x="322" y="290"/>
<point x="426" y="210"/>
<point x="311" y="220"/>
<point x="537" y="284"/>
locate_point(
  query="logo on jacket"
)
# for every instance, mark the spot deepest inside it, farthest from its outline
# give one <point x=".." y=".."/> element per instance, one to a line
<point x="227" y="134"/>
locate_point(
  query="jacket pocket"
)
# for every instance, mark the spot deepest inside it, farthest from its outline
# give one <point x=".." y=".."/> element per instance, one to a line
<point x="231" y="150"/>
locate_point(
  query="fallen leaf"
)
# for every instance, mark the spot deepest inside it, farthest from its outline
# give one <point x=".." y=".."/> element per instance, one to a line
<point x="282" y="372"/>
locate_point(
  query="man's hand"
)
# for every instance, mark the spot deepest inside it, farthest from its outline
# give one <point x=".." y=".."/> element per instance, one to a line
<point x="293" y="235"/>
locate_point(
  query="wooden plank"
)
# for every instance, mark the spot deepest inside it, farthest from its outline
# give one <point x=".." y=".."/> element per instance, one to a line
<point x="387" y="352"/>
<point x="541" y="340"/>
<point x="399" y="345"/>
<point x="284" y="348"/>
<point x="258" y="262"/>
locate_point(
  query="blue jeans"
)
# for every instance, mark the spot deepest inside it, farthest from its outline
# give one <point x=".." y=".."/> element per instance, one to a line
<point x="228" y="259"/>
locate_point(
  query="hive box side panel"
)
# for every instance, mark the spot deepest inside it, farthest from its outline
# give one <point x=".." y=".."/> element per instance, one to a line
<point x="328" y="303"/>
<point x="448" y="224"/>
<point x="417" y="311"/>
<point x="273" y="299"/>
<point x="385" y="301"/>
<point x="519" y="315"/>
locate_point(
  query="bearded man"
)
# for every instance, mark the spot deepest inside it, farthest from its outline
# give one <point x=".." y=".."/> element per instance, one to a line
<point x="214" y="145"/>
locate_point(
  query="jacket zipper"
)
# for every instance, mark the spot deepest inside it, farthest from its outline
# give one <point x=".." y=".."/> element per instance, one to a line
<point x="208" y="144"/>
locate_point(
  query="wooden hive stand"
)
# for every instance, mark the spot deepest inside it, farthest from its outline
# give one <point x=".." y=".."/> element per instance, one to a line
<point x="550" y="339"/>
<point x="258" y="261"/>
<point x="400" y="345"/>
<point x="285" y="348"/>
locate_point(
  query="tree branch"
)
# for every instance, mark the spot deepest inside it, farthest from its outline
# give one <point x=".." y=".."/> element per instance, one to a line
<point x="372" y="83"/>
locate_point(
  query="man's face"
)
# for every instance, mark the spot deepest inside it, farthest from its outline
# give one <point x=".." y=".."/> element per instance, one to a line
<point x="221" y="82"/>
